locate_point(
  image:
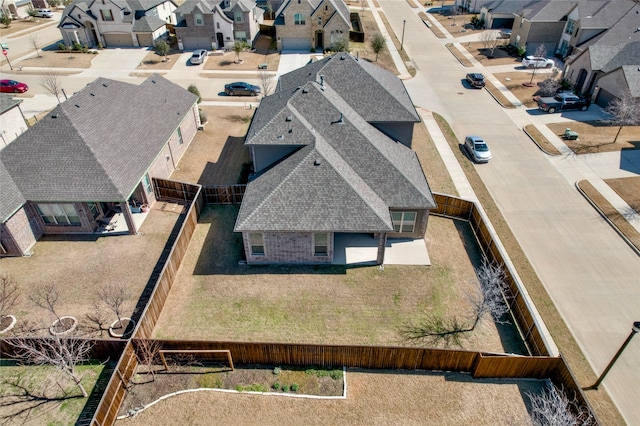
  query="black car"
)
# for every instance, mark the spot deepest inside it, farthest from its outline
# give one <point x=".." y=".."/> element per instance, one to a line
<point x="241" y="89"/>
<point x="476" y="80"/>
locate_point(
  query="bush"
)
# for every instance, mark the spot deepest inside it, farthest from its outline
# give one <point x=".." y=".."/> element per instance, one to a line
<point x="162" y="48"/>
<point x="5" y="20"/>
<point x="285" y="388"/>
<point x="277" y="371"/>
<point x="194" y="89"/>
<point x="294" y="387"/>
<point x="334" y="374"/>
<point x="476" y="22"/>
<point x="276" y="386"/>
<point x="63" y="47"/>
<point x="522" y="51"/>
<point x="203" y="116"/>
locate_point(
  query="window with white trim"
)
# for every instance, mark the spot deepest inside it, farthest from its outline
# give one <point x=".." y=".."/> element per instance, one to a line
<point x="147" y="183"/>
<point x="299" y="19"/>
<point x="570" y="26"/>
<point x="320" y="244"/>
<point x="403" y="221"/>
<point x="240" y="36"/>
<point x="198" y="19"/>
<point x="58" y="214"/>
<point x="257" y="244"/>
<point x="106" y="14"/>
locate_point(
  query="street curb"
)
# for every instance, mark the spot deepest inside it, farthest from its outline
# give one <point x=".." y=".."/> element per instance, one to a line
<point x="595" y="206"/>
<point x="537" y="144"/>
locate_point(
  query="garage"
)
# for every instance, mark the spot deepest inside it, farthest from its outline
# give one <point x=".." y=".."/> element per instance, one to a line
<point x="193" y="43"/>
<point x="145" y="39"/>
<point x="118" y="40"/>
<point x="290" y="43"/>
<point x="603" y="98"/>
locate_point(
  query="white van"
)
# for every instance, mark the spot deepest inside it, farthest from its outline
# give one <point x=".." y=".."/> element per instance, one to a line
<point x="44" y="13"/>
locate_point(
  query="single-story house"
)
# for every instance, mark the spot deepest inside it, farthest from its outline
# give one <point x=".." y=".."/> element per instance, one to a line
<point x="331" y="155"/>
<point x="91" y="157"/>
<point x="116" y="23"/>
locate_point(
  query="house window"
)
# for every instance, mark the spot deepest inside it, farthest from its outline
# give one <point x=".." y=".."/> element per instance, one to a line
<point x="320" y="20"/>
<point x="240" y="36"/>
<point x="106" y="14"/>
<point x="320" y="245"/>
<point x="218" y="25"/>
<point x="179" y="133"/>
<point x="93" y="208"/>
<point x="403" y="221"/>
<point x="298" y="19"/>
<point x="569" y="28"/>
<point x="58" y="214"/>
<point x="147" y="183"/>
<point x="238" y="16"/>
<point x="257" y="244"/>
<point x="198" y="19"/>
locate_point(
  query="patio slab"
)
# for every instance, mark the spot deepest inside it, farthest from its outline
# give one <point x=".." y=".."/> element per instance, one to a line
<point x="362" y="249"/>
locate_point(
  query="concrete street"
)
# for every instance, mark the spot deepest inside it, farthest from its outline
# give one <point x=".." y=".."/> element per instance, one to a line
<point x="592" y="276"/>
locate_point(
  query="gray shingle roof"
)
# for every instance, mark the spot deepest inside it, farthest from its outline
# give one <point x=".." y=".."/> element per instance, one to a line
<point x="97" y="145"/>
<point x="189" y="5"/>
<point x="375" y="93"/>
<point x="345" y="179"/>
<point x="11" y="199"/>
<point x="601" y="14"/>
<point x="632" y="75"/>
<point x="8" y="102"/>
<point x="548" y="10"/>
<point x="148" y="24"/>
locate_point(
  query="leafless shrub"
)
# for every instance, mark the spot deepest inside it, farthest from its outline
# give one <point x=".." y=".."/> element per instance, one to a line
<point x="148" y="353"/>
<point x="46" y="297"/>
<point x="9" y="294"/>
<point x="115" y="296"/>
<point x="548" y="87"/>
<point x="52" y="84"/>
<point x="266" y="82"/>
<point x="490" y="41"/>
<point x="62" y="353"/>
<point x="553" y="407"/>
<point x="33" y="41"/>
<point x="625" y="111"/>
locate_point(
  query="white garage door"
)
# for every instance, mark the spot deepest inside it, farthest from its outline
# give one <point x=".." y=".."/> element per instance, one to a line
<point x="193" y="43"/>
<point x="118" y="40"/>
<point x="296" y="44"/>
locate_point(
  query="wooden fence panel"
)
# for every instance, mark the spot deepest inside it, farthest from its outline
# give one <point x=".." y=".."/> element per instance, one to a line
<point x="173" y="190"/>
<point x="489" y="366"/>
<point x="230" y="194"/>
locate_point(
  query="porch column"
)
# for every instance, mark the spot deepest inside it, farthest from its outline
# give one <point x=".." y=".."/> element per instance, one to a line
<point x="382" y="243"/>
<point x="124" y="208"/>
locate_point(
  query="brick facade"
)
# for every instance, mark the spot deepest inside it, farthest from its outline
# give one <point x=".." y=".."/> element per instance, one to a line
<point x="19" y="233"/>
<point x="287" y="247"/>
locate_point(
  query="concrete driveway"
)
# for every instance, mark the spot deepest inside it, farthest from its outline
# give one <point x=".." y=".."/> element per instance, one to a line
<point x="592" y="276"/>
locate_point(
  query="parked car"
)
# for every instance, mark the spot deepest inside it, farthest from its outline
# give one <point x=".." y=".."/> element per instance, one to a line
<point x="477" y="149"/>
<point x="563" y="101"/>
<point x="198" y="56"/>
<point x="241" y="88"/>
<point x="537" y="62"/>
<point x="476" y="79"/>
<point x="44" y="13"/>
<point x="12" y="86"/>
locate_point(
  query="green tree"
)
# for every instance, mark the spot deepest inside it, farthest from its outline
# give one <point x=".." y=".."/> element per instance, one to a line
<point x="162" y="48"/>
<point x="377" y="44"/>
<point x="194" y="89"/>
<point x="239" y="47"/>
<point x="5" y="20"/>
<point x="340" y="45"/>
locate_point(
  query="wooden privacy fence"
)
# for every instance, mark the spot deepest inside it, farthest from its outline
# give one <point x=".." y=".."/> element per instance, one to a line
<point x="231" y="194"/>
<point x="481" y="365"/>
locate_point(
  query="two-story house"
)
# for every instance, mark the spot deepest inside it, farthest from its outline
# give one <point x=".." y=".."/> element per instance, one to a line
<point x="211" y="25"/>
<point x="311" y="24"/>
<point x="116" y="23"/>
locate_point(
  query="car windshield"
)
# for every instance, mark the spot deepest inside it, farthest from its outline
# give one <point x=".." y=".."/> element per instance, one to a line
<point x="482" y="147"/>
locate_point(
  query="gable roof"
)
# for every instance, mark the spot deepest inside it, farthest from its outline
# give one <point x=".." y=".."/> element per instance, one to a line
<point x="8" y="102"/>
<point x="547" y="10"/>
<point x="339" y="5"/>
<point x="139" y="7"/>
<point x="346" y="176"/>
<point x="600" y="14"/>
<point x="11" y="199"/>
<point x="375" y="93"/>
<point x="97" y="145"/>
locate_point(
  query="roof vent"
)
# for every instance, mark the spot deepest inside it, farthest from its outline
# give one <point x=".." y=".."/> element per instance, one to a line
<point x="343" y="57"/>
<point x="305" y="90"/>
<point x="280" y="137"/>
<point x="339" y="121"/>
<point x="105" y="84"/>
<point x="92" y="94"/>
<point x="288" y="118"/>
<point x="322" y="80"/>
<point x="77" y="106"/>
<point x="54" y="115"/>
<point x="317" y="162"/>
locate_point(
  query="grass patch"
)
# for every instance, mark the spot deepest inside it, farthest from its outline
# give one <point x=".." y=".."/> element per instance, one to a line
<point x="600" y="400"/>
<point x="403" y="54"/>
<point x="459" y="55"/>
<point x="498" y="95"/>
<point x="539" y="139"/>
<point x="434" y="28"/>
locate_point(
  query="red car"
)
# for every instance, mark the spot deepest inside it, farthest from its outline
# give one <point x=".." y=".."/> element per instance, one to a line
<point x="12" y="86"/>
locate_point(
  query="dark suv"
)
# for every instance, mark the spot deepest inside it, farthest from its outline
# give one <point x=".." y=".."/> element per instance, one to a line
<point x="476" y="80"/>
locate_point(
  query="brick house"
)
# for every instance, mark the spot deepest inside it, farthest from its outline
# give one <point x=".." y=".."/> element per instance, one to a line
<point x="332" y="157"/>
<point x="212" y="25"/>
<point x="116" y="23"/>
<point x="92" y="156"/>
<point x="311" y="24"/>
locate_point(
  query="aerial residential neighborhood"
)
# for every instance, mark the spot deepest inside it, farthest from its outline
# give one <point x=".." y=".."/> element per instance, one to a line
<point x="327" y="212"/>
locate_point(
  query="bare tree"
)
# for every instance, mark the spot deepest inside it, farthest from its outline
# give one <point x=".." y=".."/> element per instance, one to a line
<point x="115" y="296"/>
<point x="553" y="407"/>
<point x="490" y="41"/>
<point x="490" y="298"/>
<point x="46" y="297"/>
<point x="9" y="294"/>
<point x="147" y="352"/>
<point x="266" y="82"/>
<point x="377" y="44"/>
<point x="548" y="87"/>
<point x="541" y="52"/>
<point x="63" y="354"/>
<point x="33" y="40"/>
<point x="51" y="82"/>
<point x="625" y="111"/>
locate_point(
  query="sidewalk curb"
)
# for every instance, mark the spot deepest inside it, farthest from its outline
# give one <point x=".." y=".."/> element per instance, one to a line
<point x="524" y="129"/>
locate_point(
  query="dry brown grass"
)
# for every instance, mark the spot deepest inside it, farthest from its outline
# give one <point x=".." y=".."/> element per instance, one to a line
<point x="153" y="61"/>
<point x="626" y="186"/>
<point x="56" y="59"/>
<point x="403" y="53"/>
<point x="364" y="50"/>
<point x="435" y="29"/>
<point x="540" y="140"/>
<point x="263" y="54"/>
<point x="374" y="397"/>
<point x="458" y="25"/>
<point x="22" y="25"/>
<point x="515" y="82"/>
<point x="598" y="137"/>
<point x="483" y="54"/>
<point x="458" y="54"/>
<point x="83" y="264"/>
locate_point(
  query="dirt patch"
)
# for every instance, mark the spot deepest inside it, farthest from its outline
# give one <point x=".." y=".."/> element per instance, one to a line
<point x="57" y="59"/>
<point x="256" y="378"/>
<point x="153" y="61"/>
<point x="374" y="397"/>
<point x="515" y="82"/>
<point x="483" y="54"/>
<point x="598" y="136"/>
<point x="458" y="25"/>
<point x="628" y="189"/>
<point x="264" y="53"/>
<point x="540" y="140"/>
<point x="364" y="49"/>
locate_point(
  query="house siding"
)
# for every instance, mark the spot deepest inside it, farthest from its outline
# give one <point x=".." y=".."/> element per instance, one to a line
<point x="287" y="247"/>
<point x="13" y="125"/>
<point x="422" y="218"/>
<point x="19" y="233"/>
<point x="87" y="224"/>
<point x="264" y="156"/>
